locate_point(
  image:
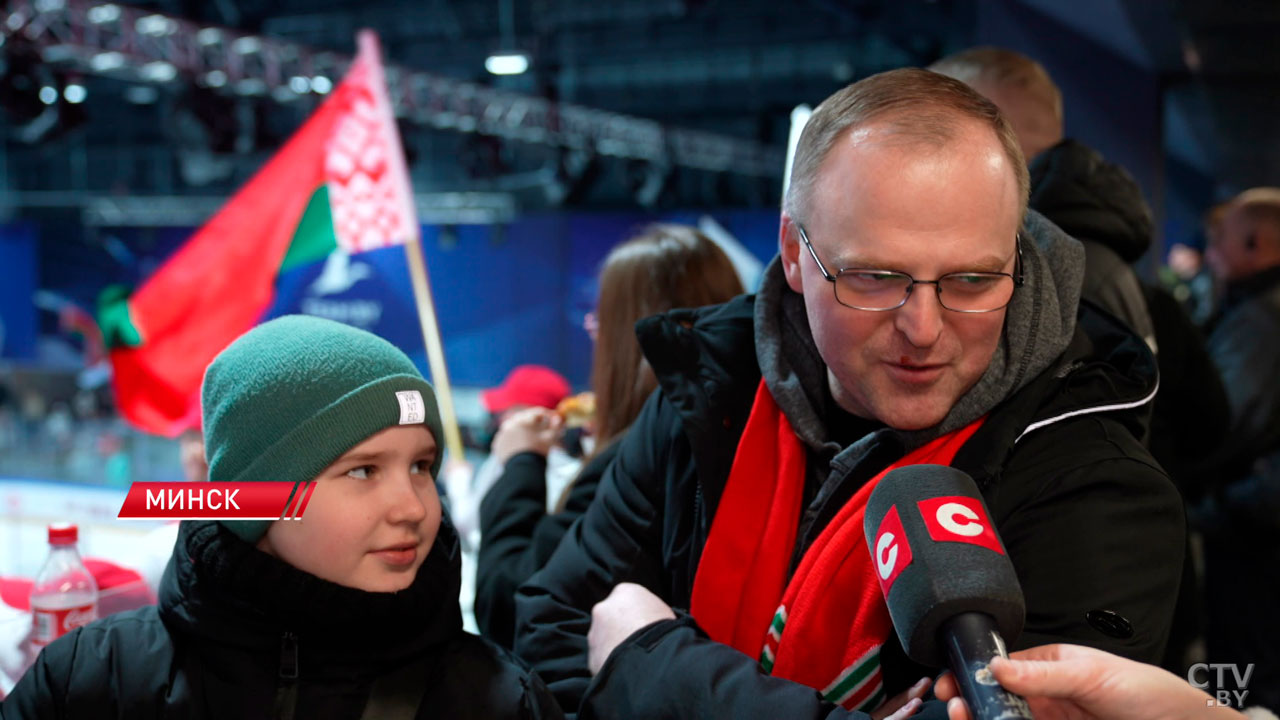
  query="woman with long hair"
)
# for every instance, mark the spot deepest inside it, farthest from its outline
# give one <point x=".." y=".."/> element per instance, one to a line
<point x="664" y="267"/>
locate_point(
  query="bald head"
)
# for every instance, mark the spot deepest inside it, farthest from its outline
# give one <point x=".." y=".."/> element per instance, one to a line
<point x="912" y="105"/>
<point x="1247" y="240"/>
<point x="1019" y="86"/>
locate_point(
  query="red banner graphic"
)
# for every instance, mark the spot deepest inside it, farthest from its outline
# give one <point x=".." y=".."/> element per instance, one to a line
<point x="216" y="500"/>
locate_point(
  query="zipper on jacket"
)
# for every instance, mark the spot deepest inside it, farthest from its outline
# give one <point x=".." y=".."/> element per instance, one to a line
<point x="697" y="509"/>
<point x="287" y="689"/>
<point x="289" y="657"/>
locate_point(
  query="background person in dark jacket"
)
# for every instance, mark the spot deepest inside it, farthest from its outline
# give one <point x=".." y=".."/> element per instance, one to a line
<point x="664" y="267"/>
<point x="913" y="181"/>
<point x="1100" y="204"/>
<point x="1241" y="521"/>
<point x="1093" y="200"/>
<point x="351" y="612"/>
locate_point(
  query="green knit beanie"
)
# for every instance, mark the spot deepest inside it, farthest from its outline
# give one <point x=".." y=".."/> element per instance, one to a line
<point x="294" y="394"/>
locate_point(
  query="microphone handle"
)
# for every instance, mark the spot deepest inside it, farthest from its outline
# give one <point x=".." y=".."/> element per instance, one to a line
<point x="972" y="640"/>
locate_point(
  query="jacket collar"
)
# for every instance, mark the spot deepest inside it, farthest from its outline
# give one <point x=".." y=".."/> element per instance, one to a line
<point x="227" y="592"/>
<point x="1107" y="369"/>
<point x="1252" y="286"/>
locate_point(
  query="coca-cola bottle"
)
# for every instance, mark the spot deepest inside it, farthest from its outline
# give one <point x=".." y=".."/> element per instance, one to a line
<point x="65" y="595"/>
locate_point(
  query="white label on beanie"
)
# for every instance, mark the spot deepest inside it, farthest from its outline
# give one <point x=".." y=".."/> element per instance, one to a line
<point x="412" y="409"/>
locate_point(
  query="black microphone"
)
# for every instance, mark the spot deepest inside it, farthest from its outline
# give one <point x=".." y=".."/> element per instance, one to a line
<point x="950" y="587"/>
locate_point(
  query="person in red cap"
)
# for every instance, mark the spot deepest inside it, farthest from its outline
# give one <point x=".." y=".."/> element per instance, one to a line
<point x="525" y="387"/>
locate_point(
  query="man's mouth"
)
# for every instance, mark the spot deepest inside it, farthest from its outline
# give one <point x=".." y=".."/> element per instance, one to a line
<point x="906" y="370"/>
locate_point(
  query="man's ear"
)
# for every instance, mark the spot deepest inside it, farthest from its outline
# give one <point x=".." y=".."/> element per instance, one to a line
<point x="789" y="249"/>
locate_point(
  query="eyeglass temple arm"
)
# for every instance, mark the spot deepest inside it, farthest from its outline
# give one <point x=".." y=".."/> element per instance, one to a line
<point x="1020" y="277"/>
<point x="823" y="268"/>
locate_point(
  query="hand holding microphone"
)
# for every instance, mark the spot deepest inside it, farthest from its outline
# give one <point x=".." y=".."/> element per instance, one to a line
<point x="1070" y="682"/>
<point x="955" y="600"/>
<point x="950" y="587"/>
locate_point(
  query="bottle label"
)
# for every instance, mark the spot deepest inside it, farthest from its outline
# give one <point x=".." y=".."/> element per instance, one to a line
<point x="53" y="624"/>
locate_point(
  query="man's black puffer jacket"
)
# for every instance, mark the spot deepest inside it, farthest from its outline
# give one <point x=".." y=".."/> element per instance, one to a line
<point x="1093" y="526"/>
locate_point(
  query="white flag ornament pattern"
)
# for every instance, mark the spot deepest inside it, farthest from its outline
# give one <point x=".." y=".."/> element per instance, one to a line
<point x="369" y="196"/>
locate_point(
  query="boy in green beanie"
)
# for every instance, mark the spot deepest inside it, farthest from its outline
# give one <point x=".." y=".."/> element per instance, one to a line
<point x="351" y="612"/>
<point x="302" y="398"/>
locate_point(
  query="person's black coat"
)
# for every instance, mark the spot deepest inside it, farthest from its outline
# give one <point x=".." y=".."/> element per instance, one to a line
<point x="1094" y="528"/>
<point x="517" y="535"/>
<point x="1240" y="516"/>
<point x="1191" y="417"/>
<point x="1100" y="204"/>
<point x="240" y="634"/>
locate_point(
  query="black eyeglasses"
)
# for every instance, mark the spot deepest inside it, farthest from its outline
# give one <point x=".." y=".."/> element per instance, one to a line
<point x="881" y="290"/>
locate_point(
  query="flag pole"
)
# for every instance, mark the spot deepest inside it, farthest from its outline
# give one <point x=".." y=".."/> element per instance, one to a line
<point x="367" y="41"/>
<point x="435" y="350"/>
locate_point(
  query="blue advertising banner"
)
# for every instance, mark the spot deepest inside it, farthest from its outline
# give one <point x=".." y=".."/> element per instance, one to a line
<point x="505" y="295"/>
<point x="18" y="320"/>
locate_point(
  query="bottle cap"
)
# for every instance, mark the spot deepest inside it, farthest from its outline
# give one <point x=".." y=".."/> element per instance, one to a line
<point x="63" y="534"/>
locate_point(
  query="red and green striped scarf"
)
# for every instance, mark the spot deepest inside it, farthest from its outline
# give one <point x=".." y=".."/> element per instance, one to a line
<point x="825" y="626"/>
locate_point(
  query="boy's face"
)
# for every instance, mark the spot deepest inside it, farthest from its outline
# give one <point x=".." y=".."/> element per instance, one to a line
<point x="373" y="515"/>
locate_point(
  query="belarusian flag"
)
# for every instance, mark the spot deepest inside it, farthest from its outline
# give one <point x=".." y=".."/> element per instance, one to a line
<point x="339" y="182"/>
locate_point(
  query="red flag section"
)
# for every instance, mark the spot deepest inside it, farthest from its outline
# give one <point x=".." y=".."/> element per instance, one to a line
<point x="222" y="280"/>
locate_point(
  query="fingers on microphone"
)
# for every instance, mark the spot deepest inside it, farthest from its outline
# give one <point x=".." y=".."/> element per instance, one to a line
<point x="957" y="710"/>
<point x="920" y="688"/>
<point x="1041" y="678"/>
<point x="906" y="710"/>
<point x="946" y="687"/>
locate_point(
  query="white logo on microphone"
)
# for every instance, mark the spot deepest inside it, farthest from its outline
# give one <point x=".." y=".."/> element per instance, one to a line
<point x="892" y="553"/>
<point x="886" y="560"/>
<point x="947" y="514"/>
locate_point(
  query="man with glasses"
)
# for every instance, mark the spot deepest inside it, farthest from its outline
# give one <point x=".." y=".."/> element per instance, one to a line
<point x="917" y="313"/>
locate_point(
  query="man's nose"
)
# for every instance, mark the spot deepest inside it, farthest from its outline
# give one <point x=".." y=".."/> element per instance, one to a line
<point x="920" y="318"/>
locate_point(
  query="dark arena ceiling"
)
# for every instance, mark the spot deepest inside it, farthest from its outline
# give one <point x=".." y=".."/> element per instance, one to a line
<point x="674" y="103"/>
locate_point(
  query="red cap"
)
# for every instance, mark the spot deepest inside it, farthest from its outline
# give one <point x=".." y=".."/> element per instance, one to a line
<point x="533" y="385"/>
<point x="63" y="534"/>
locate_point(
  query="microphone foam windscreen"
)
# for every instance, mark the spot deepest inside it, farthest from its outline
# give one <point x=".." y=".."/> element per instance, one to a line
<point x="936" y="554"/>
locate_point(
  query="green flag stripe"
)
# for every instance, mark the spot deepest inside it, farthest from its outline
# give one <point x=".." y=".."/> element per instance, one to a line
<point x="874" y="701"/>
<point x="851" y="678"/>
<point x="766" y="660"/>
<point x="314" y="237"/>
<point x="115" y="320"/>
<point x="779" y="623"/>
<point x="779" y="620"/>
